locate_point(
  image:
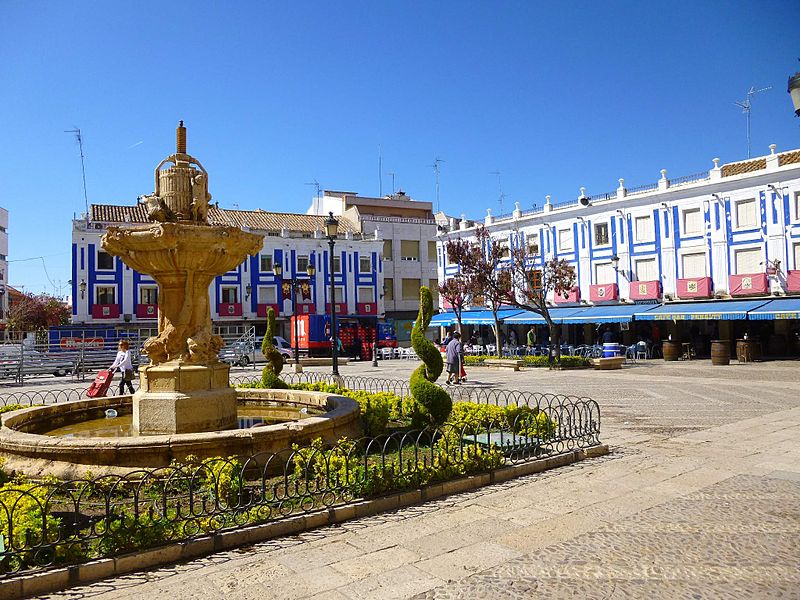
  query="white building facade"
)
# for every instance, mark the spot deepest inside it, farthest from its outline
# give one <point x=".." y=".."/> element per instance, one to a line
<point x="107" y="293"/>
<point x="730" y="233"/>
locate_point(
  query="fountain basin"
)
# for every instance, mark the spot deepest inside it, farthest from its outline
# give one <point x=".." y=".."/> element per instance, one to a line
<point x="27" y="449"/>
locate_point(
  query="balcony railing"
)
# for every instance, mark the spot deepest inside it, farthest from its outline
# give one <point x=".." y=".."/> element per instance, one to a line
<point x="676" y="181"/>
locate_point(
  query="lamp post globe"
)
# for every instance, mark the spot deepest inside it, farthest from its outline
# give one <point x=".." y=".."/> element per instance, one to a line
<point x="331" y="231"/>
<point x="794" y="92"/>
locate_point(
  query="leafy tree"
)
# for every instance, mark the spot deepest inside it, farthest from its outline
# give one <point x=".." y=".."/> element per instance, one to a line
<point x="36" y="312"/>
<point x="454" y="291"/>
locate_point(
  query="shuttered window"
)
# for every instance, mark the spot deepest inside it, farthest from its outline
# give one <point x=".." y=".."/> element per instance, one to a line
<point x="604" y="273"/>
<point x="366" y="294"/>
<point x="694" y="265"/>
<point x="433" y="284"/>
<point x="410" y="289"/>
<point x="387" y="249"/>
<point x="646" y="269"/>
<point x="692" y="222"/>
<point x="746" y="213"/>
<point x="409" y="250"/>
<point x="565" y="239"/>
<point x="388" y="289"/>
<point x="431" y="251"/>
<point x="267" y="295"/>
<point x="748" y="261"/>
<point x="644" y="229"/>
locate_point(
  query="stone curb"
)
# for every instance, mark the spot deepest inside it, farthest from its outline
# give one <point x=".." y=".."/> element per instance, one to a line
<point x="64" y="577"/>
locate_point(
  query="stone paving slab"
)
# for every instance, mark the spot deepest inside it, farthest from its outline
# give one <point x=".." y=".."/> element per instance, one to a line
<point x="700" y="498"/>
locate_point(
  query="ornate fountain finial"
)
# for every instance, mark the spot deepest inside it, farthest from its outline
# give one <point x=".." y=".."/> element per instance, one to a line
<point x="181" y="193"/>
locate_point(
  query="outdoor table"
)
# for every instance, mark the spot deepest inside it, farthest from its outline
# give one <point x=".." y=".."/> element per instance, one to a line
<point x="686" y="352"/>
<point x="745" y="350"/>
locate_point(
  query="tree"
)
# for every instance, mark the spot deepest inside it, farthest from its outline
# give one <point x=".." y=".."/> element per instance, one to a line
<point x="36" y="312"/>
<point x="520" y="282"/>
<point x="484" y="275"/>
<point x="454" y="292"/>
<point x="436" y="403"/>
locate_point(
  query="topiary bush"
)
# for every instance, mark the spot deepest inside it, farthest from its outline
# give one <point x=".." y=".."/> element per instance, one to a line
<point x="274" y="366"/>
<point x="431" y="398"/>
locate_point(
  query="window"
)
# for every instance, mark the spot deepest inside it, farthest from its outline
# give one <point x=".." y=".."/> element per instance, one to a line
<point x="604" y="273"/>
<point x="565" y="239"/>
<point x="364" y="264"/>
<point x="267" y="295"/>
<point x="104" y="260"/>
<point x="797" y="206"/>
<point x="409" y="250"/>
<point x="748" y="261"/>
<point x="302" y="263"/>
<point x="148" y="295"/>
<point x="266" y="263"/>
<point x="533" y="245"/>
<point x="601" y="237"/>
<point x="230" y="295"/>
<point x="338" y="295"/>
<point x="433" y="285"/>
<point x="387" y="249"/>
<point x="106" y="295"/>
<point x="366" y="294"/>
<point x="411" y="289"/>
<point x="644" y="229"/>
<point x="796" y="248"/>
<point x="694" y="265"/>
<point x="692" y="222"/>
<point x="646" y="269"/>
<point x="337" y="264"/>
<point x="746" y="213"/>
<point x="388" y="288"/>
<point x="431" y="251"/>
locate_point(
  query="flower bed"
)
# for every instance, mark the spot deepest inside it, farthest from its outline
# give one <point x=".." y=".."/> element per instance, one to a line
<point x="566" y="361"/>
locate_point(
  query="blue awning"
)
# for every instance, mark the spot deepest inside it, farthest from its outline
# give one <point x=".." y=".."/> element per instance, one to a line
<point x="485" y="317"/>
<point x="785" y="308"/>
<point x="531" y="318"/>
<point x="443" y="319"/>
<point x="722" y="310"/>
<point x="611" y="313"/>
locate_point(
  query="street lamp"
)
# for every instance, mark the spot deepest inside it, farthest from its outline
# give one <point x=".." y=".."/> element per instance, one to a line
<point x="82" y="288"/>
<point x="794" y="91"/>
<point x="331" y="230"/>
<point x="615" y="263"/>
<point x="277" y="270"/>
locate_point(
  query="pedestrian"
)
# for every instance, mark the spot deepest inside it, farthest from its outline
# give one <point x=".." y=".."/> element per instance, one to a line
<point x="455" y="356"/>
<point x="531" y="337"/>
<point x="357" y="347"/>
<point x="124" y="364"/>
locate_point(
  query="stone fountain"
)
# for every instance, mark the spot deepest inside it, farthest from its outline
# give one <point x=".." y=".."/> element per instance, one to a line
<point x="185" y="388"/>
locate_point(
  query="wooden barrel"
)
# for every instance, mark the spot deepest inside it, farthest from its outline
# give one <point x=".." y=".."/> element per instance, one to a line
<point x="720" y="352"/>
<point x="671" y="350"/>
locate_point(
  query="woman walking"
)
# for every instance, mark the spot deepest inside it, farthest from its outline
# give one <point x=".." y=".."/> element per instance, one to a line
<point x="124" y="364"/>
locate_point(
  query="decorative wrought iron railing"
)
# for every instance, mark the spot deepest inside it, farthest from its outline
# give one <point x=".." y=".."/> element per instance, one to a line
<point x="47" y="523"/>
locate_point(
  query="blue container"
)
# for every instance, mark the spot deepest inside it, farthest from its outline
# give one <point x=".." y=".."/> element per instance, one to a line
<point x="611" y="349"/>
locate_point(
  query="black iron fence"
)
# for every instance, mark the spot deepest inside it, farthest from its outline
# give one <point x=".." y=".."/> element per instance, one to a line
<point x="48" y="523"/>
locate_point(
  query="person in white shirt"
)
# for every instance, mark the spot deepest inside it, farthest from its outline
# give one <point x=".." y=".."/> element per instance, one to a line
<point x="123" y="363"/>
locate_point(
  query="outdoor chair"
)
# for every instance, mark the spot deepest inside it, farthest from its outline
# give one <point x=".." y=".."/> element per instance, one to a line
<point x="641" y="351"/>
<point x="386" y="353"/>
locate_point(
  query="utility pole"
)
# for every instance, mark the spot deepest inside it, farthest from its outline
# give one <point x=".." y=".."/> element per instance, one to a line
<point x="436" y="162"/>
<point x="79" y="138"/>
<point x="391" y="174"/>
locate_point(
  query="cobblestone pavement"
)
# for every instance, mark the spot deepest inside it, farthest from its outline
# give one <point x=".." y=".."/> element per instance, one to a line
<point x="700" y="498"/>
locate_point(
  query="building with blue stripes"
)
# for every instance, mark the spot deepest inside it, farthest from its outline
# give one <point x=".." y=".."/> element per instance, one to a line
<point x="108" y="293"/>
<point x="712" y="255"/>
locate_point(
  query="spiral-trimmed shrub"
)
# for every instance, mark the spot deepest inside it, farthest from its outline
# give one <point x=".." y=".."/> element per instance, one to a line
<point x="274" y="366"/>
<point x="434" y="400"/>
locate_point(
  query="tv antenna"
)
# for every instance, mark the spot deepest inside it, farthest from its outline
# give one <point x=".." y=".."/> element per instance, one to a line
<point x="500" y="195"/>
<point x="79" y="139"/>
<point x="392" y="174"/>
<point x="315" y="183"/>
<point x="747" y="106"/>
<point x="436" y="162"/>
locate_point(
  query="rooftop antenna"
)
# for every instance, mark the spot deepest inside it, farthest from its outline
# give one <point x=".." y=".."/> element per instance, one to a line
<point x="746" y="105"/>
<point x="391" y="173"/>
<point x="79" y="139"/>
<point x="436" y="162"/>
<point x="316" y="184"/>
<point x="501" y="196"/>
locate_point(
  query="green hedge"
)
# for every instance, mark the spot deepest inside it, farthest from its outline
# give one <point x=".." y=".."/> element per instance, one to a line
<point x="566" y="362"/>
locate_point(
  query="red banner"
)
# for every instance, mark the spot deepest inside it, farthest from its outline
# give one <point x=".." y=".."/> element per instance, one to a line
<point x="747" y="285"/>
<point x="645" y="290"/>
<point x="572" y="297"/>
<point x="698" y="287"/>
<point x="793" y="281"/>
<point x="604" y="292"/>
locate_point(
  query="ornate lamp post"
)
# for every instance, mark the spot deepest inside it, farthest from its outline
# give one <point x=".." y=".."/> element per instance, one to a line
<point x="794" y="91"/>
<point x="295" y="284"/>
<point x="331" y="231"/>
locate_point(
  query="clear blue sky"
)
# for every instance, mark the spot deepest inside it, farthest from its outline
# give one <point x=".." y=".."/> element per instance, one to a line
<point x="555" y="95"/>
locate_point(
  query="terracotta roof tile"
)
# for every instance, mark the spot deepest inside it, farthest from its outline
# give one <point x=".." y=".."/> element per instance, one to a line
<point x="747" y="166"/>
<point x="259" y="220"/>
<point x="788" y="158"/>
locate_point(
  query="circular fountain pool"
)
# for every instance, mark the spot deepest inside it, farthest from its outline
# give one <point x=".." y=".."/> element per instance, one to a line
<point x="29" y="440"/>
